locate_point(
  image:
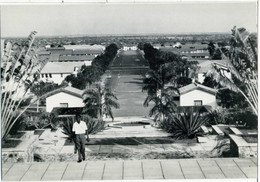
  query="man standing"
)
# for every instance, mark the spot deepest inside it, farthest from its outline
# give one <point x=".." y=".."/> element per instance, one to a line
<point x="80" y="128"/>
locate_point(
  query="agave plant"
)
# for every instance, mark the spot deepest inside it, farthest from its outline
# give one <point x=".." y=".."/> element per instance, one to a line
<point x="94" y="125"/>
<point x="243" y="58"/>
<point x="185" y="124"/>
<point x="67" y="125"/>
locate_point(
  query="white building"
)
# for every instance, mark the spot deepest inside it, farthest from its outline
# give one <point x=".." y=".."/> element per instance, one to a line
<point x="130" y="48"/>
<point x="57" y="71"/>
<point x="197" y="95"/>
<point x="65" y="97"/>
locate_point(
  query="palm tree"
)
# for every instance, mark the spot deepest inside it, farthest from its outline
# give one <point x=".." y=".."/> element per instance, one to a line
<point x="154" y="84"/>
<point x="243" y="58"/>
<point x="163" y="105"/>
<point x="99" y="101"/>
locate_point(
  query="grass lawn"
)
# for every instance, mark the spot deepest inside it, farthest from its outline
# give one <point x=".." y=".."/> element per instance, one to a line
<point x="251" y="139"/>
<point x="11" y="143"/>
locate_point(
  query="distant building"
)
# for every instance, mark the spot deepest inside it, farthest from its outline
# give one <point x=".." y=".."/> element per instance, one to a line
<point x="68" y="97"/>
<point x="207" y="65"/>
<point x="56" y="72"/>
<point x="130" y="48"/>
<point x="189" y="51"/>
<point x="71" y="53"/>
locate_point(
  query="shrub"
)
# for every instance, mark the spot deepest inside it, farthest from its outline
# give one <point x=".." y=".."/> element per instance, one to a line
<point x="67" y="124"/>
<point x="41" y="120"/>
<point x="185" y="124"/>
<point x="19" y="124"/>
<point x="217" y="116"/>
<point x="244" y="117"/>
<point x="94" y="125"/>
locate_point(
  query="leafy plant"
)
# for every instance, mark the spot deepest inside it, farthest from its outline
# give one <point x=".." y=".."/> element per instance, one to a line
<point x="94" y="125"/>
<point x="243" y="58"/>
<point x="185" y="124"/>
<point x="99" y="101"/>
<point x="67" y="125"/>
<point x="41" y="121"/>
<point x="18" y="74"/>
<point x="217" y="116"/>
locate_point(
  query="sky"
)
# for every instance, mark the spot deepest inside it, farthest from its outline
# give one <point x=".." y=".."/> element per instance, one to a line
<point x="80" y="19"/>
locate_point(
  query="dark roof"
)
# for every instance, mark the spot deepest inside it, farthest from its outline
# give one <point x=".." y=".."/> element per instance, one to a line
<point x="56" y="48"/>
<point x="66" y="51"/>
<point x="77" y="58"/>
<point x="87" y="51"/>
<point x="196" y="54"/>
<point x="201" y="109"/>
<point x="66" y="111"/>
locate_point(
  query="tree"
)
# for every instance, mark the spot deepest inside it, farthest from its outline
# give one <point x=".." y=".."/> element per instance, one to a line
<point x="163" y="105"/>
<point x="210" y="82"/>
<point x="154" y="84"/>
<point x="93" y="73"/>
<point x="217" y="54"/>
<point x="230" y="99"/>
<point x="243" y="58"/>
<point x="211" y="48"/>
<point x="99" y="101"/>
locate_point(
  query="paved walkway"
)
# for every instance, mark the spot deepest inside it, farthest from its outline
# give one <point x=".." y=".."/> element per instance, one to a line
<point x="133" y="169"/>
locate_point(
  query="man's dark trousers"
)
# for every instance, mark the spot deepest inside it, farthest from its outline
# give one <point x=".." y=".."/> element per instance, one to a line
<point x="80" y="142"/>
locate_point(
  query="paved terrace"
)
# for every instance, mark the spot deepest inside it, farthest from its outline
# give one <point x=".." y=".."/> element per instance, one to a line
<point x="131" y="170"/>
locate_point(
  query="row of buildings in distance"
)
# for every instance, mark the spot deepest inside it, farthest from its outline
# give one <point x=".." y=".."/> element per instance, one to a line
<point x="66" y="60"/>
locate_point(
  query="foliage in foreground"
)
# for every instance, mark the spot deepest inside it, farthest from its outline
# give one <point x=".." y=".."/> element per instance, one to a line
<point x="184" y="124"/>
<point x="18" y="74"/>
<point x="243" y="58"/>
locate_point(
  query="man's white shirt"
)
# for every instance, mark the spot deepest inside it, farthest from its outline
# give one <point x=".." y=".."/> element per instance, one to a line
<point x="79" y="128"/>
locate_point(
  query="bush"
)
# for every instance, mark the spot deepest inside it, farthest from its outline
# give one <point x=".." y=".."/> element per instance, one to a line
<point x="67" y="124"/>
<point x="94" y="125"/>
<point x="19" y="124"/>
<point x="246" y="118"/>
<point x="217" y="116"/>
<point x="41" y="120"/>
<point x="185" y="124"/>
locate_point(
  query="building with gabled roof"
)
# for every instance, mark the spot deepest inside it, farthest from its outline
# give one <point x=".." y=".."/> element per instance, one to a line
<point x="56" y="72"/>
<point x="68" y="97"/>
<point x="207" y="65"/>
<point x="196" y="94"/>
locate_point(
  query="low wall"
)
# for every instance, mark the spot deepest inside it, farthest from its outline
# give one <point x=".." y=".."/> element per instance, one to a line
<point x="240" y="148"/>
<point x="24" y="152"/>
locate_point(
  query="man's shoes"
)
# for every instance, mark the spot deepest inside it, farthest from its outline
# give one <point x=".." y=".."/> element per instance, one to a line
<point x="79" y="161"/>
<point x="83" y="158"/>
<point x="75" y="152"/>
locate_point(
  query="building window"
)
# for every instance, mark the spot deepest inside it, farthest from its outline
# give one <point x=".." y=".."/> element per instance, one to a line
<point x="50" y="75"/>
<point x="197" y="102"/>
<point x="61" y="75"/>
<point x="63" y="104"/>
<point x="42" y="75"/>
<point x="46" y="75"/>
